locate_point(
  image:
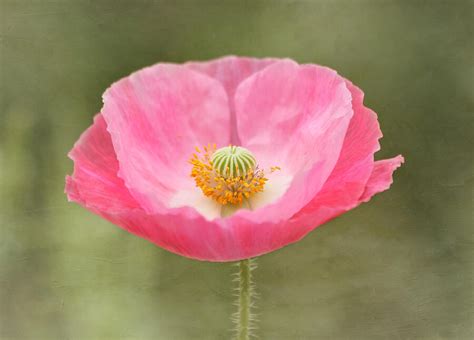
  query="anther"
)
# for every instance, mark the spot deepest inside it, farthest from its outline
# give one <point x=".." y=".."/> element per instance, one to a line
<point x="228" y="175"/>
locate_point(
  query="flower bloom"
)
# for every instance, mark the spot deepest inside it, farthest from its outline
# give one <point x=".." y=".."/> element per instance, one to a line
<point x="231" y="158"/>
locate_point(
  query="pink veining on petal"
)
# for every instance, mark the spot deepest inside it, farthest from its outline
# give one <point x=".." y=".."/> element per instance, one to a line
<point x="347" y="181"/>
<point x="294" y="117"/>
<point x="354" y="166"/>
<point x="95" y="180"/>
<point x="156" y="117"/>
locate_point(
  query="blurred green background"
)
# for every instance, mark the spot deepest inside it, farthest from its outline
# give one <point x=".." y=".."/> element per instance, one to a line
<point x="399" y="267"/>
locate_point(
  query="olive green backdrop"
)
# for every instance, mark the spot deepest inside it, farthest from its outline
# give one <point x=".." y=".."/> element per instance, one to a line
<point x="399" y="267"/>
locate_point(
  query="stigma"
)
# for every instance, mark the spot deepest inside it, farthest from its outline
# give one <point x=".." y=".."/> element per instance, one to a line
<point x="229" y="175"/>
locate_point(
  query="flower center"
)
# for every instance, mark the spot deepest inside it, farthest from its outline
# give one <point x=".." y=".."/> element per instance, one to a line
<point x="228" y="175"/>
<point x="233" y="161"/>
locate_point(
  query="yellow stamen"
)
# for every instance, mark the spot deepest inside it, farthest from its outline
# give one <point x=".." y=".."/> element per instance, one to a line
<point x="224" y="184"/>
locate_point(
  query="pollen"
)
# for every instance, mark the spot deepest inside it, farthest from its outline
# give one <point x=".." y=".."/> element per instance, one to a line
<point x="228" y="175"/>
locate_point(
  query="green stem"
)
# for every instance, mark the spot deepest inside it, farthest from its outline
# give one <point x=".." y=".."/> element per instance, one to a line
<point x="244" y="299"/>
<point x="244" y="318"/>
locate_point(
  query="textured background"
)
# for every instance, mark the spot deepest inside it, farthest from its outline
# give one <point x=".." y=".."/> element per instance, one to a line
<point x="400" y="267"/>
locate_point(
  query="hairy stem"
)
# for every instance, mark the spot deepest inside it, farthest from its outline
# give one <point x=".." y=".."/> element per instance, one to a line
<point x="244" y="318"/>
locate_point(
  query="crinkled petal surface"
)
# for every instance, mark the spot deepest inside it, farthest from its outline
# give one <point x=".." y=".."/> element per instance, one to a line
<point x="230" y="72"/>
<point x="381" y="177"/>
<point x="156" y="118"/>
<point x="306" y="119"/>
<point x="95" y="181"/>
<point x="294" y="117"/>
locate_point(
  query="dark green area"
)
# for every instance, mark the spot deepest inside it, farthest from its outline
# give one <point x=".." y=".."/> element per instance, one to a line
<point x="399" y="267"/>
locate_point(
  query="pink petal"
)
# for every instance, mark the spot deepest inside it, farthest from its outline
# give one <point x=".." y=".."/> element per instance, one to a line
<point x="294" y="117"/>
<point x="230" y="71"/>
<point x="352" y="175"/>
<point x="361" y="140"/>
<point x="94" y="181"/>
<point x="331" y="203"/>
<point x="349" y="177"/>
<point x="381" y="177"/>
<point x="156" y="117"/>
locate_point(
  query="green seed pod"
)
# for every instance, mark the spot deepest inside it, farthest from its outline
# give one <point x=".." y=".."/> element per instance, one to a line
<point x="233" y="161"/>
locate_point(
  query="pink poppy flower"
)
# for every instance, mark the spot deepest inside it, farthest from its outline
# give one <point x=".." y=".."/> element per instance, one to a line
<point x="305" y="155"/>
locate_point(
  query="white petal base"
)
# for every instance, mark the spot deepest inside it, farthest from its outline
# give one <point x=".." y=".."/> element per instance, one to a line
<point x="278" y="183"/>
